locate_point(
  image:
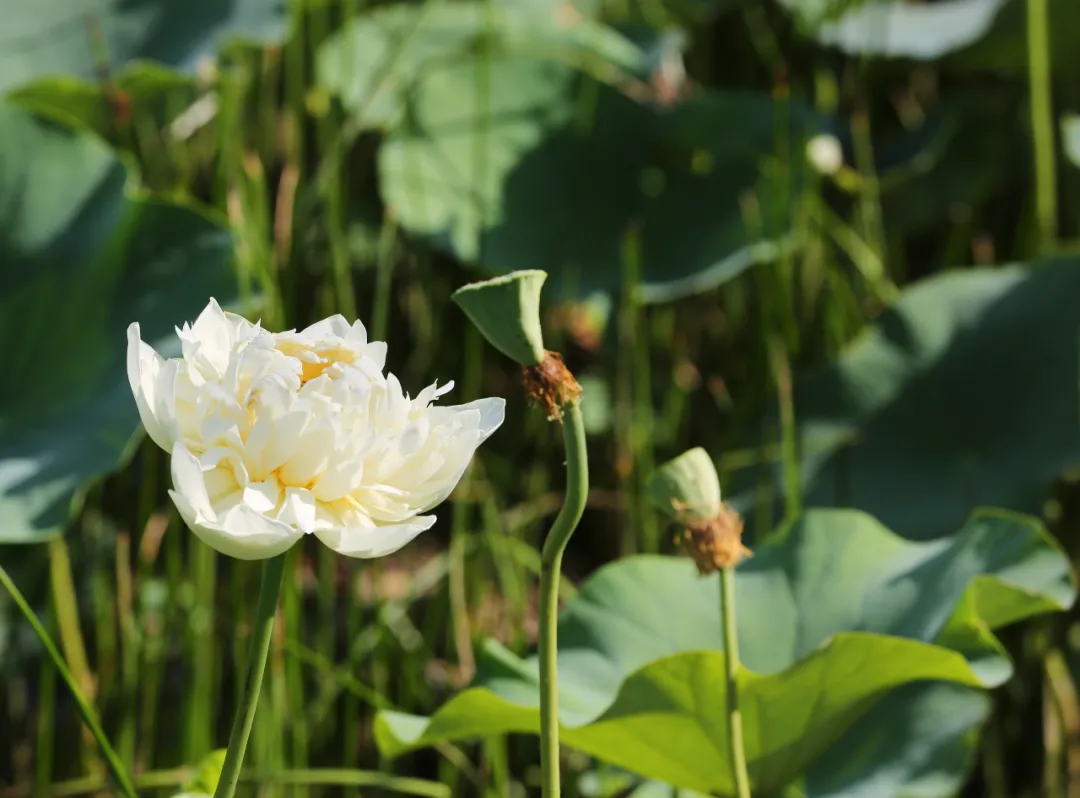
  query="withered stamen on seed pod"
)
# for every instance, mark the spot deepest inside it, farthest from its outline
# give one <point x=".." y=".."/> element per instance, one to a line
<point x="714" y="543"/>
<point x="551" y="385"/>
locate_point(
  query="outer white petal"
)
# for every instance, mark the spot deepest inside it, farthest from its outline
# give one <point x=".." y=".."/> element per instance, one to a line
<point x="492" y="413"/>
<point x="145" y="369"/>
<point x="240" y="531"/>
<point x="333" y="327"/>
<point x="242" y="329"/>
<point x="189" y="482"/>
<point x="376" y="353"/>
<point x="373" y="541"/>
<point x="489" y="414"/>
<point x="467" y="440"/>
<point x="213" y="327"/>
<point x="208" y="342"/>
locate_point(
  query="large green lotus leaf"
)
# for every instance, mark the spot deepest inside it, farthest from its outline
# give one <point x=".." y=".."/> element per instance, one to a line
<point x="963" y="394"/>
<point x="668" y="722"/>
<point x="833" y="614"/>
<point x="485" y="105"/>
<point x="79" y="261"/>
<point x="373" y="60"/>
<point x="545" y="169"/>
<point x="57" y="37"/>
<point x="921" y="740"/>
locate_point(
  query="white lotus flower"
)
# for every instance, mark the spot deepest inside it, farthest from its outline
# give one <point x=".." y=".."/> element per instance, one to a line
<point x="274" y="436"/>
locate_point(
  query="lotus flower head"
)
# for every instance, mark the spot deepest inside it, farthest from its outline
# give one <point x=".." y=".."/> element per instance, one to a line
<point x="278" y="435"/>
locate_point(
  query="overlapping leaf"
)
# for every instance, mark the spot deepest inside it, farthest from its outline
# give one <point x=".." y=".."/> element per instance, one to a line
<point x="960" y="34"/>
<point x="832" y="616"/>
<point x="56" y="37"/>
<point x="963" y="394"/>
<point x="894" y="28"/>
<point x="523" y="142"/>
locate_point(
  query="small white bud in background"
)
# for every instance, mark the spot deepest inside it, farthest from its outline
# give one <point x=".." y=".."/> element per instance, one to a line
<point x="825" y="153"/>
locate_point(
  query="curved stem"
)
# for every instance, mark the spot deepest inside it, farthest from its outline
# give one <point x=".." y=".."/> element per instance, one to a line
<point x="261" y="632"/>
<point x="577" y="489"/>
<point x="736" y="747"/>
<point x="112" y="760"/>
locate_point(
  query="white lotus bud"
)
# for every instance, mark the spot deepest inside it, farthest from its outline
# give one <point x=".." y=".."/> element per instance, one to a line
<point x="825" y="153"/>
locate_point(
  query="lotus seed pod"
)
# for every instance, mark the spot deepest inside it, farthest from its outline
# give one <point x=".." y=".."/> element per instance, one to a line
<point x="687" y="488"/>
<point x="506" y="310"/>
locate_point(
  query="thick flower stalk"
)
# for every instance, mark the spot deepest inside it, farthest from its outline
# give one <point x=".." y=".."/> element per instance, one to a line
<point x="274" y="436"/>
<point x="687" y="490"/>
<point x="507" y="311"/>
<point x="277" y="435"/>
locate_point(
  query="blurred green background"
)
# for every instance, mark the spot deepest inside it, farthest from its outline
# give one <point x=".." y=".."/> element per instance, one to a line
<point x="833" y="242"/>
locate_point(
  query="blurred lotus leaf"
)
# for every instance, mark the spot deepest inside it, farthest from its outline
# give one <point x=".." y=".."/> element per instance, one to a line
<point x="371" y="63"/>
<point x="963" y="394"/>
<point x="80" y="260"/>
<point x="921" y="740"/>
<point x="58" y="37"/>
<point x="962" y="34"/>
<point x="895" y="28"/>
<point x="834" y="613"/>
<point x="536" y="146"/>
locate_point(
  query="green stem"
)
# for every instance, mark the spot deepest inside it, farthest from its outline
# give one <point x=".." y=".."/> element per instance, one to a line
<point x="201" y="698"/>
<point x="731" y="666"/>
<point x="577" y="490"/>
<point x="112" y="760"/>
<point x="1042" y="121"/>
<point x="261" y="632"/>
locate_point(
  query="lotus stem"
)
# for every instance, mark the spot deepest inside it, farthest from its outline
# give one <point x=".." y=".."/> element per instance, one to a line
<point x="577" y="489"/>
<point x="116" y="768"/>
<point x="1040" y="81"/>
<point x="736" y="747"/>
<point x="261" y="632"/>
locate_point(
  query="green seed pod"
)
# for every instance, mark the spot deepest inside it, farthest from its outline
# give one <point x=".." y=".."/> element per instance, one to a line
<point x="506" y="310"/>
<point x="687" y="488"/>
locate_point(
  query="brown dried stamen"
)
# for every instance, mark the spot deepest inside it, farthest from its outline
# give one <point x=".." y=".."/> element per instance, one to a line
<point x="551" y="385"/>
<point x="716" y="542"/>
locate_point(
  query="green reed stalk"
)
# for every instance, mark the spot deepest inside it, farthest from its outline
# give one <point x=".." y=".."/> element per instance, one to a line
<point x="577" y="490"/>
<point x="1042" y="121"/>
<point x="261" y="634"/>
<point x="112" y="760"/>
<point x="46" y="720"/>
<point x="201" y="699"/>
<point x="736" y="747"/>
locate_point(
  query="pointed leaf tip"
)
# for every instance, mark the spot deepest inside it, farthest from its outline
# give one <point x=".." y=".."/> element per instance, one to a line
<point x="506" y="310"/>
